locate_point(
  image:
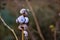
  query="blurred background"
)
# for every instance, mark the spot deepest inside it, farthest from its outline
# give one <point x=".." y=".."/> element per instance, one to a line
<point x="46" y="11"/>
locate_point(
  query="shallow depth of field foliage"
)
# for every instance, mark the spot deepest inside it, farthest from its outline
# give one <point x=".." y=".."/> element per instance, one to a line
<point x="45" y="10"/>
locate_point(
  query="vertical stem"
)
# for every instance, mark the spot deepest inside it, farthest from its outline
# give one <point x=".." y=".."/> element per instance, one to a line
<point x="35" y="19"/>
<point x="22" y="34"/>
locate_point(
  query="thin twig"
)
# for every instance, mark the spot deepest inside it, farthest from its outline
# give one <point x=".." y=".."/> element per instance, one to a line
<point x="22" y="34"/>
<point x="9" y="28"/>
<point x="36" y="21"/>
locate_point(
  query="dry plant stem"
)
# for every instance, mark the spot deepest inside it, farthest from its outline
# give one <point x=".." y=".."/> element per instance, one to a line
<point x="36" y="21"/>
<point x="22" y="34"/>
<point x="9" y="28"/>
